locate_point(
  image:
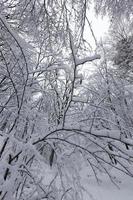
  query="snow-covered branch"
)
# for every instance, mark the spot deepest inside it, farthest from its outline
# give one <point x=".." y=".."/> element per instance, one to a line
<point x="87" y="59"/>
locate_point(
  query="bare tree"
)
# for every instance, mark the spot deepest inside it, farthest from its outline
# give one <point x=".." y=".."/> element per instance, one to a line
<point x="50" y="118"/>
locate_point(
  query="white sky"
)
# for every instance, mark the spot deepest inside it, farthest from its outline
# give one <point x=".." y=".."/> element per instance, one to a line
<point x="100" y="26"/>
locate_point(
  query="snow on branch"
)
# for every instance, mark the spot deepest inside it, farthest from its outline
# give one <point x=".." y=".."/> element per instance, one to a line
<point x="87" y="59"/>
<point x="20" y="41"/>
<point x="78" y="61"/>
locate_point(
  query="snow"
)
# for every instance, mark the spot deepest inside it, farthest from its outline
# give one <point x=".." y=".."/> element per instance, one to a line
<point x="87" y="59"/>
<point x="88" y="155"/>
<point x="107" y="191"/>
<point x="20" y="41"/>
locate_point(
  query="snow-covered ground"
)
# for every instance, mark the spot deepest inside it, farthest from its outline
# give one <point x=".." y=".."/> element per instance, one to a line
<point x="107" y="191"/>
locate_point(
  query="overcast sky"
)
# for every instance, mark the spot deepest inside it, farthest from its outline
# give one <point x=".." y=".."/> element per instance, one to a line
<point x="100" y="26"/>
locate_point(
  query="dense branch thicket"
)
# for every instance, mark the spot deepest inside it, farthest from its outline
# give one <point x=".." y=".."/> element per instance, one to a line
<point x="114" y="8"/>
<point x="55" y="121"/>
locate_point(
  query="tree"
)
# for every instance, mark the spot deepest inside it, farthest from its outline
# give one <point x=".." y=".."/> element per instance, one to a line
<point x="123" y="58"/>
<point x="115" y="8"/>
<point x="31" y="67"/>
<point x="51" y="126"/>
